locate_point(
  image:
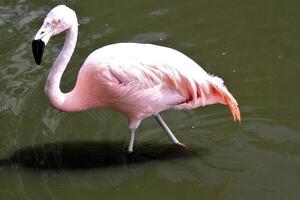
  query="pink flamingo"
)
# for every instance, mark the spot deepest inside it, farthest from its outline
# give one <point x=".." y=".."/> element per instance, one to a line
<point x="138" y="80"/>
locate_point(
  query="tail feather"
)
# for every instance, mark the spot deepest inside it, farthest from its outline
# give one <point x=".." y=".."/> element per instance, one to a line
<point x="205" y="93"/>
<point x="227" y="98"/>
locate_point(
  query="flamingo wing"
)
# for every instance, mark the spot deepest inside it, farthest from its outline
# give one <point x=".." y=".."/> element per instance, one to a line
<point x="162" y="74"/>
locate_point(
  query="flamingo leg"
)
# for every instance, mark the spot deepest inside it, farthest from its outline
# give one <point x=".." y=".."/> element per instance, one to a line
<point x="132" y="134"/>
<point x="168" y="131"/>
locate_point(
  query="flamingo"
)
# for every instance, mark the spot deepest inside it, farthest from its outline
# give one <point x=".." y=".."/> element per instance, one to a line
<point x="138" y="80"/>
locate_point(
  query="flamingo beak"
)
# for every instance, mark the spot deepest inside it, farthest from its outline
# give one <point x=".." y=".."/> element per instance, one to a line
<point x="38" y="50"/>
<point x="38" y="44"/>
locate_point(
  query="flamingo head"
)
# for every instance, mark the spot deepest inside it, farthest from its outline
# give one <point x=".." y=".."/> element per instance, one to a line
<point x="59" y="19"/>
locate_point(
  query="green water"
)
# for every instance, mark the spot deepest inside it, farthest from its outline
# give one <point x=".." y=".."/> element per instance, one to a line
<point x="253" y="45"/>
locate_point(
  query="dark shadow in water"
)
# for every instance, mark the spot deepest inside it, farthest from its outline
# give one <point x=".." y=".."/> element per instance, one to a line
<point x="89" y="154"/>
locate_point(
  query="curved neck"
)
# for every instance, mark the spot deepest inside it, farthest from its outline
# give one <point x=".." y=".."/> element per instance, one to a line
<point x="52" y="87"/>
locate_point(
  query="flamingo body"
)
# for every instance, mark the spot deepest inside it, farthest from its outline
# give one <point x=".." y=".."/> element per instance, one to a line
<point x="138" y="80"/>
<point x="141" y="79"/>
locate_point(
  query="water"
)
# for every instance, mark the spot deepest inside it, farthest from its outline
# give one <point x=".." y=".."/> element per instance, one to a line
<point x="253" y="45"/>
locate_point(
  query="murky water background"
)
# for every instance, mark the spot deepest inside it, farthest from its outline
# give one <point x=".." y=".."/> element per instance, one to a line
<point x="253" y="45"/>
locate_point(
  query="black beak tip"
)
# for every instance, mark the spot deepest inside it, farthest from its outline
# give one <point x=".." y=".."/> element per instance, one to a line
<point x="38" y="50"/>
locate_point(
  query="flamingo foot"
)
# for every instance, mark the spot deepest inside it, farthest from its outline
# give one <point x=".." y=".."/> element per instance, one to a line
<point x="130" y="151"/>
<point x="181" y="146"/>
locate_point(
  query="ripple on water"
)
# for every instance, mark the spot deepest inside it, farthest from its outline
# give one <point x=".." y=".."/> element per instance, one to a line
<point x="85" y="20"/>
<point x="108" y="30"/>
<point x="149" y="37"/>
<point x="159" y="12"/>
<point x="272" y="136"/>
<point x="17" y="60"/>
<point x="212" y="138"/>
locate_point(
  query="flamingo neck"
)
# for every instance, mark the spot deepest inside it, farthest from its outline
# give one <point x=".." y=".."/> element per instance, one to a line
<point x="52" y="88"/>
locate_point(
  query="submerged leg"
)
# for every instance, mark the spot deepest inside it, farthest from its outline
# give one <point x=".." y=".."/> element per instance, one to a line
<point x="168" y="131"/>
<point x="131" y="142"/>
<point x="133" y="125"/>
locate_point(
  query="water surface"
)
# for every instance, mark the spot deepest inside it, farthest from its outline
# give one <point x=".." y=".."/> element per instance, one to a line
<point x="253" y="45"/>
